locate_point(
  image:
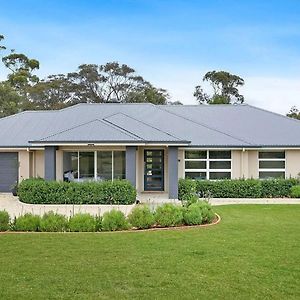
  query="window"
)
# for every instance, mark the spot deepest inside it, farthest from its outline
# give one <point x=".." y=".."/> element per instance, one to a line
<point x="207" y="164"/>
<point x="94" y="165"/>
<point x="271" y="164"/>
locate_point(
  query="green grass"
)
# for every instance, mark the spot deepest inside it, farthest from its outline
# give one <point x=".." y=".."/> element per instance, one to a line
<point x="254" y="253"/>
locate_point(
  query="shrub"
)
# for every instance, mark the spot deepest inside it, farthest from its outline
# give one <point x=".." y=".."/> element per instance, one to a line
<point x="114" y="220"/>
<point x="206" y="211"/>
<point x="141" y="217"/>
<point x="192" y="215"/>
<point x="82" y="223"/>
<point x="4" y="220"/>
<point x="236" y="188"/>
<point x="52" y="222"/>
<point x="27" y="222"/>
<point x="39" y="191"/>
<point x="295" y="191"/>
<point x="168" y="215"/>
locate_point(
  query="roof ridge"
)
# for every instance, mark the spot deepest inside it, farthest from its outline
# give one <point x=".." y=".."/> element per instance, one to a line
<point x="206" y="126"/>
<point x="77" y="126"/>
<point x="151" y="126"/>
<point x="274" y="113"/>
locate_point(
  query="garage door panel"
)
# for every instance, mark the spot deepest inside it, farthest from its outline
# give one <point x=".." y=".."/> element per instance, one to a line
<point x="8" y="170"/>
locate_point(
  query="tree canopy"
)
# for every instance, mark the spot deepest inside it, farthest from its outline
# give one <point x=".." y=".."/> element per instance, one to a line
<point x="225" y="88"/>
<point x="294" y="113"/>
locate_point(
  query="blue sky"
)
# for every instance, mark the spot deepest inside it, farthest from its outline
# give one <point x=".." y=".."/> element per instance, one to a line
<point x="170" y="43"/>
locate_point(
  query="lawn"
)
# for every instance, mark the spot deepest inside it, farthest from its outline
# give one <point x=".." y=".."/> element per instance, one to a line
<point x="254" y="253"/>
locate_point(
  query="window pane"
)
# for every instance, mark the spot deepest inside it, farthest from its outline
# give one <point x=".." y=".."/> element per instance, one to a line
<point x="195" y="164"/>
<point x="104" y="165"/>
<point x="266" y="175"/>
<point x="220" y="164"/>
<point x="119" y="164"/>
<point x="86" y="165"/>
<point x="195" y="175"/>
<point x="271" y="164"/>
<point x="195" y="154"/>
<point x="220" y="154"/>
<point x="219" y="175"/>
<point x="272" y="154"/>
<point x="70" y="166"/>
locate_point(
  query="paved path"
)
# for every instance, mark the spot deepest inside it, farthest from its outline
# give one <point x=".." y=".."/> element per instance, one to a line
<point x="227" y="201"/>
<point x="16" y="208"/>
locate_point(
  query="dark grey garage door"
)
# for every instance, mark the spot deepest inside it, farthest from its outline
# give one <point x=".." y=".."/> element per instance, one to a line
<point x="8" y="170"/>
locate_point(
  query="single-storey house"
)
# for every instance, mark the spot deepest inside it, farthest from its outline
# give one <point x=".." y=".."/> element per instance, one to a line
<point x="150" y="145"/>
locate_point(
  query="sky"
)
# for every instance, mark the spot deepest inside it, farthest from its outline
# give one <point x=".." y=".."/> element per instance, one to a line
<point x="171" y="43"/>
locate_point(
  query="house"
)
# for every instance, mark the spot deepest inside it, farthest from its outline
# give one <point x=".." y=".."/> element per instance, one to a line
<point x="151" y="146"/>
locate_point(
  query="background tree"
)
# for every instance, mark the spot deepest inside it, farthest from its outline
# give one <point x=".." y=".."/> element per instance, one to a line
<point x="294" y="113"/>
<point x="225" y="88"/>
<point x="10" y="101"/>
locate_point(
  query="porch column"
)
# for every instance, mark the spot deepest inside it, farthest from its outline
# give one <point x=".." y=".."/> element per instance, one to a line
<point x="131" y="164"/>
<point x="50" y="162"/>
<point x="173" y="172"/>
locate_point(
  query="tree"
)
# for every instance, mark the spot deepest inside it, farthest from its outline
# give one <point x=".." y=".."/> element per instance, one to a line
<point x="148" y="94"/>
<point x="225" y="88"/>
<point x="294" y="113"/>
<point x="10" y="101"/>
<point x="21" y="68"/>
<point x="2" y="47"/>
<point x="111" y="82"/>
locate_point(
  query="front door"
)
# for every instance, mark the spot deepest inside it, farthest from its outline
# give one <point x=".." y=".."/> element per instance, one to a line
<point x="154" y="170"/>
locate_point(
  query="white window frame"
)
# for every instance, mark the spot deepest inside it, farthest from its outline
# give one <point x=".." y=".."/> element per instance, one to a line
<point x="208" y="160"/>
<point x="272" y="159"/>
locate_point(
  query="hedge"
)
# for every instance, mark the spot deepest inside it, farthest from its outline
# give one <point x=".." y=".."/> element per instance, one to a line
<point x="39" y="191"/>
<point x="236" y="188"/>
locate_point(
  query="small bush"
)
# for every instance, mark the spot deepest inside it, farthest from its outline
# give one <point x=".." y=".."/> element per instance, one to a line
<point x="295" y="191"/>
<point x="39" y="191"/>
<point x="82" y="223"/>
<point x="114" y="220"/>
<point x="192" y="215"/>
<point x="206" y="211"/>
<point x="141" y="217"/>
<point x="4" y="220"/>
<point x="52" y="222"/>
<point x="28" y="222"/>
<point x="168" y="215"/>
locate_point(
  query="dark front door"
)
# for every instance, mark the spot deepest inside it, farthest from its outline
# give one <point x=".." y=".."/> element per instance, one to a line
<point x="154" y="170"/>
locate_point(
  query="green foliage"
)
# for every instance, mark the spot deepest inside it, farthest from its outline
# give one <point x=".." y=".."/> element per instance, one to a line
<point x="141" y="217"/>
<point x="114" y="220"/>
<point x="295" y="191"/>
<point x="236" y="188"/>
<point x="225" y="87"/>
<point x="39" y="191"/>
<point x="82" y="223"/>
<point x="192" y="215"/>
<point x="294" y="113"/>
<point x="52" y="222"/>
<point x="206" y="211"/>
<point x="168" y="215"/>
<point x="4" y="220"/>
<point x="98" y="220"/>
<point x="28" y="222"/>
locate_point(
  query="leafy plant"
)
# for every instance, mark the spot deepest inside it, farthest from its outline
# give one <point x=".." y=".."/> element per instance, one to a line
<point x="28" y="222"/>
<point x="169" y="214"/>
<point x="4" y="220"/>
<point x="52" y="222"/>
<point x="82" y="223"/>
<point x="295" y="191"/>
<point x="114" y="220"/>
<point x="192" y="215"/>
<point x="141" y="217"/>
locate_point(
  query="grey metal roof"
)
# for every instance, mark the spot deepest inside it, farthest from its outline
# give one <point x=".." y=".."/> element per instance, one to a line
<point x="200" y="125"/>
